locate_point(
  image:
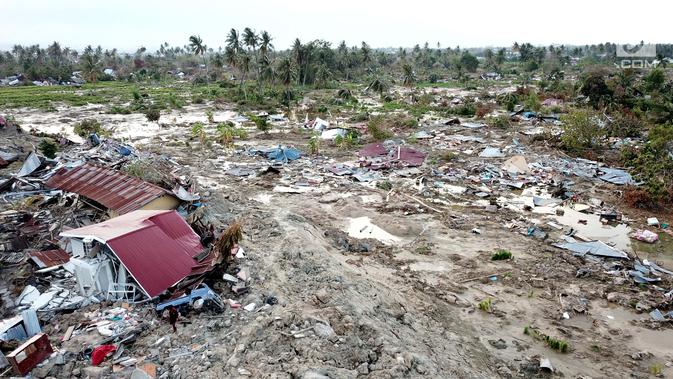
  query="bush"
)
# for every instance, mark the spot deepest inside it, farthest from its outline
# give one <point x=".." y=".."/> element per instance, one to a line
<point x="501" y="255"/>
<point x="581" y="131"/>
<point x="261" y="123"/>
<point x="502" y="122"/>
<point x="87" y="127"/>
<point x="152" y="114"/>
<point x="625" y="125"/>
<point x="377" y="130"/>
<point x="48" y="148"/>
<point x="653" y="165"/>
<point x="482" y="110"/>
<point x="533" y="103"/>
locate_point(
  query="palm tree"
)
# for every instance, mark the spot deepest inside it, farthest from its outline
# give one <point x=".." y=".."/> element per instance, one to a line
<point x="287" y="74"/>
<point x="244" y="61"/>
<point x="378" y="85"/>
<point x="323" y="75"/>
<point x="91" y="66"/>
<point x="233" y="40"/>
<point x="408" y="75"/>
<point x="198" y="48"/>
<point x="265" y="45"/>
<point x="286" y="71"/>
<point x="297" y="54"/>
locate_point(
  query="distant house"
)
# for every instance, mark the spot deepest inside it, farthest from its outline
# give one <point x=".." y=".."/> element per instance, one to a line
<point x="114" y="190"/>
<point x="137" y="255"/>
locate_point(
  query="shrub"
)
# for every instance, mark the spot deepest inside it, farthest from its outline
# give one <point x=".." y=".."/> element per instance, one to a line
<point x="533" y="103"/>
<point x="581" y="131"/>
<point x="501" y="255"/>
<point x="653" y="165"/>
<point x="377" y="130"/>
<point x="116" y="109"/>
<point x="467" y="109"/>
<point x="175" y="101"/>
<point x="449" y="156"/>
<point x="485" y="305"/>
<point x="48" y="148"/>
<point x="87" y="127"/>
<point x="152" y="114"/>
<point x="199" y="131"/>
<point x="502" y="122"/>
<point x="625" y="125"/>
<point x="509" y="100"/>
<point x="482" y="110"/>
<point x="210" y="117"/>
<point x="384" y="185"/>
<point x="314" y="144"/>
<point x="261" y="123"/>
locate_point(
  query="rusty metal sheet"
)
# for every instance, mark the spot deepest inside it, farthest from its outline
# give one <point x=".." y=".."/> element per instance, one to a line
<point x="108" y="187"/>
<point x="49" y="258"/>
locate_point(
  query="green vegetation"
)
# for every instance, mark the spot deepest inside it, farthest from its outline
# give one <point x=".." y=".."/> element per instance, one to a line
<point x="48" y="148"/>
<point x="87" y="127"/>
<point x="581" y="131"/>
<point x="385" y="185"/>
<point x="314" y="144"/>
<point x="485" y="305"/>
<point x="656" y="369"/>
<point x="377" y="129"/>
<point x="502" y="122"/>
<point x="501" y="255"/>
<point x="152" y="114"/>
<point x="553" y="343"/>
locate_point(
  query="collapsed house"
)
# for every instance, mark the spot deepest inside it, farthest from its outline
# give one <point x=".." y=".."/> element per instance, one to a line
<point x="134" y="256"/>
<point x="114" y="190"/>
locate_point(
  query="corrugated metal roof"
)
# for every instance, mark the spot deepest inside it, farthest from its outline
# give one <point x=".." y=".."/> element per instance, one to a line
<point x="156" y="247"/>
<point x="49" y="258"/>
<point x="111" y="188"/>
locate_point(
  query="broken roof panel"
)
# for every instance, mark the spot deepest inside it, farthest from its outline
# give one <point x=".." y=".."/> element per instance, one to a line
<point x="111" y="188"/>
<point x="157" y="247"/>
<point x="49" y="258"/>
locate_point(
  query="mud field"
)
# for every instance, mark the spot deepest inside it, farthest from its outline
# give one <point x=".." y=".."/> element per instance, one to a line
<point x="391" y="281"/>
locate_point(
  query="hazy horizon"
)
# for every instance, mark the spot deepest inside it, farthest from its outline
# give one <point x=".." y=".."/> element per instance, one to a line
<point x="127" y="25"/>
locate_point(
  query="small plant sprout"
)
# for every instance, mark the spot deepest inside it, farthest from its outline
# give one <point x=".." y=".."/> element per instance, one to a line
<point x="501" y="255"/>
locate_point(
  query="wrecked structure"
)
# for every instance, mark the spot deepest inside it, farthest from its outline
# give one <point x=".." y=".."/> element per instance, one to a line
<point x="114" y="190"/>
<point x="134" y="256"/>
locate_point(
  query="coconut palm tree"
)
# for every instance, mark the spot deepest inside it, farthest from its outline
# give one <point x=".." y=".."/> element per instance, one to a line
<point x="233" y="40"/>
<point x="265" y="45"/>
<point x="408" y="75"/>
<point x="244" y="61"/>
<point x="198" y="48"/>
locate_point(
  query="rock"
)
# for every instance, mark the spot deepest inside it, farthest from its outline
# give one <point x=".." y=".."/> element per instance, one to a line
<point x="76" y="372"/>
<point x="363" y="369"/>
<point x="314" y="374"/>
<point x="504" y="372"/>
<point x="498" y="344"/>
<point x="323" y="296"/>
<point x="613" y="297"/>
<point x="323" y="330"/>
<point x="95" y="372"/>
<point x="140" y="374"/>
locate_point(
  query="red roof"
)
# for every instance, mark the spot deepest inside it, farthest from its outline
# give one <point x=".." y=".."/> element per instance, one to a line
<point x="156" y="247"/>
<point x="111" y="188"/>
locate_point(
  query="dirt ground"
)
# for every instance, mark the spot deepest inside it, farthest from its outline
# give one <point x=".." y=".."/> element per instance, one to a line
<point x="402" y="301"/>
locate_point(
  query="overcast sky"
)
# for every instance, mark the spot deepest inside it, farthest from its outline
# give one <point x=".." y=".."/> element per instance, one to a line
<point x="127" y="24"/>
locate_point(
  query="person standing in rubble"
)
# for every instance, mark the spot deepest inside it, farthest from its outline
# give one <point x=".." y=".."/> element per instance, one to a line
<point x="173" y="317"/>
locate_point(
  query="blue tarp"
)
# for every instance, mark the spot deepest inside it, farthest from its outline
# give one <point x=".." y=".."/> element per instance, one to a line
<point x="284" y="155"/>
